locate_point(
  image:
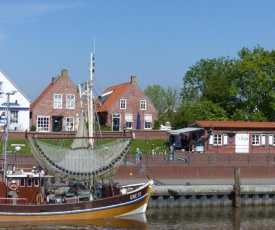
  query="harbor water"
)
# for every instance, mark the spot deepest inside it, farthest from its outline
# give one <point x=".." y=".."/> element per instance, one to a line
<point x="248" y="217"/>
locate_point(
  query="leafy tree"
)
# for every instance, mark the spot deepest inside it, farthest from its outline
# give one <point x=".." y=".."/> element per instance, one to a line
<point x="172" y="98"/>
<point x="199" y="110"/>
<point x="210" y="80"/>
<point x="255" y="84"/>
<point x="163" y="99"/>
<point x="156" y="94"/>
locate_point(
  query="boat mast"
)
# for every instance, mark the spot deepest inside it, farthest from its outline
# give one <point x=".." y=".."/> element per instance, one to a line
<point x="90" y="101"/>
<point x="6" y="132"/>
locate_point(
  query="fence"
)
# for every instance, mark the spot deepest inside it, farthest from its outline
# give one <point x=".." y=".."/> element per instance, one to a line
<point x="204" y="159"/>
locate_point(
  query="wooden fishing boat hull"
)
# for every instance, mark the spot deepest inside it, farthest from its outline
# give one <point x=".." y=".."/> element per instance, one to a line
<point x="121" y="205"/>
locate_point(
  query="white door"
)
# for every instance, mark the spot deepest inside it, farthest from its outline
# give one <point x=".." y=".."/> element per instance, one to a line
<point x="242" y="143"/>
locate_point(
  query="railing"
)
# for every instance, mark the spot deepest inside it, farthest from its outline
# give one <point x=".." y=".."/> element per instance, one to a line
<point x="204" y="159"/>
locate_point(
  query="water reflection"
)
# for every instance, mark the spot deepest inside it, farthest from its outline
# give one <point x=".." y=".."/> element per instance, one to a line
<point x="212" y="218"/>
<point x="131" y="222"/>
<point x="260" y="217"/>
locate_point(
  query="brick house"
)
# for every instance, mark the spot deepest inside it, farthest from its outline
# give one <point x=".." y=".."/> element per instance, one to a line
<point x="125" y="106"/>
<point x="57" y="108"/>
<point x="19" y="105"/>
<point x="228" y="136"/>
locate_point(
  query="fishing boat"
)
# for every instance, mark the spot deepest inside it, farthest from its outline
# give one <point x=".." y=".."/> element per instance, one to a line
<point x="86" y="164"/>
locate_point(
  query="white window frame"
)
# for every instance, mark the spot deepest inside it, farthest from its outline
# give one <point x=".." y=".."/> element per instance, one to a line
<point x="142" y="104"/>
<point x="217" y="139"/>
<point x="70" y="101"/>
<point x="57" y="101"/>
<point x="69" y="124"/>
<point x="14" y="117"/>
<point x="129" y="121"/>
<point x="1" y="86"/>
<point x="148" y="122"/>
<point x="36" y="181"/>
<point x="256" y="139"/>
<point x="122" y="103"/>
<point x="43" y="123"/>
<point x="29" y="179"/>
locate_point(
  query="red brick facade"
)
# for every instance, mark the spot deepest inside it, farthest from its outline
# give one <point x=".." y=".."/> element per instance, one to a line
<point x="44" y="104"/>
<point x="133" y="96"/>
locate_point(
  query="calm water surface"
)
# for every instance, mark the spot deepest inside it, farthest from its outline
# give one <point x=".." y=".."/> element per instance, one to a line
<point x="262" y="217"/>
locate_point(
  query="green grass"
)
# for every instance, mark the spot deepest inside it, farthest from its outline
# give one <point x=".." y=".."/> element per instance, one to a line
<point x="145" y="145"/>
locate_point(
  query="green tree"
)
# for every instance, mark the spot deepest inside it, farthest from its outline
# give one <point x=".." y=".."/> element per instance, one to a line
<point x="156" y="94"/>
<point x="198" y="110"/>
<point x="210" y="80"/>
<point x="255" y="84"/>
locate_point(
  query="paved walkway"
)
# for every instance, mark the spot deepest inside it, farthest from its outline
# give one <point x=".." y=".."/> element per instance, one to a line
<point x="257" y="181"/>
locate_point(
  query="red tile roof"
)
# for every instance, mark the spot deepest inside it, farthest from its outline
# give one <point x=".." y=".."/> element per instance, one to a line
<point x="234" y="124"/>
<point x="116" y="92"/>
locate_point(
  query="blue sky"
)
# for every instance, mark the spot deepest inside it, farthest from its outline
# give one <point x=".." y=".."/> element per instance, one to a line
<point x="155" y="40"/>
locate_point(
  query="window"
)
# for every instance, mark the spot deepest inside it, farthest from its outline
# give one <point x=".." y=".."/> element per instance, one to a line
<point x="14" y="117"/>
<point x="129" y="121"/>
<point x="1" y="87"/>
<point x="148" y="121"/>
<point x="256" y="139"/>
<point x="57" y="104"/>
<point x="143" y="104"/>
<point x="29" y="182"/>
<point x="36" y="182"/>
<point x="43" y="123"/>
<point x="69" y="123"/>
<point x="70" y="101"/>
<point x="217" y="139"/>
<point x="122" y="103"/>
<point x="22" y="182"/>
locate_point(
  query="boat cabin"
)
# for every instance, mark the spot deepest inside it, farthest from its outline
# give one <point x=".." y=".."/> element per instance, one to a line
<point x="22" y="186"/>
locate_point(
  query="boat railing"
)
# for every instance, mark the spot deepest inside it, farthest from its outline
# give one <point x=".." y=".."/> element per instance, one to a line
<point x="14" y="201"/>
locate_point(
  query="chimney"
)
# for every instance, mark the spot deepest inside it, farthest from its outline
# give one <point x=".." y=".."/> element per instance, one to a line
<point x="133" y="80"/>
<point x="64" y="72"/>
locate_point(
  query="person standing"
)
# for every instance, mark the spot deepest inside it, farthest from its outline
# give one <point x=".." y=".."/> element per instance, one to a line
<point x="138" y="156"/>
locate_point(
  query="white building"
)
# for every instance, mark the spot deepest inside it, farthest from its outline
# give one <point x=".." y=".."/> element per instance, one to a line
<point x="19" y="105"/>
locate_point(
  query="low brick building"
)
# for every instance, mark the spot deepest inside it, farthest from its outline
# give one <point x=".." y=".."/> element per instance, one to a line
<point x="227" y="137"/>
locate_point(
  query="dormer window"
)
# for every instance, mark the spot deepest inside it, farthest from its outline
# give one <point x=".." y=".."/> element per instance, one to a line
<point x="122" y="103"/>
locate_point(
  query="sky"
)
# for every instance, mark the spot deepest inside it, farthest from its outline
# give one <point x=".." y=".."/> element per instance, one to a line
<point x="155" y="40"/>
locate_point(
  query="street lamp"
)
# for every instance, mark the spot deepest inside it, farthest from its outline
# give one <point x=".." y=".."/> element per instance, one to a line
<point x="17" y="149"/>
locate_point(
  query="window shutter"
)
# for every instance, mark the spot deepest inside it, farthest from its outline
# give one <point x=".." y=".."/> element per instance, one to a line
<point x="270" y="139"/>
<point x="263" y="139"/>
<point x="225" y="139"/>
<point x="211" y="139"/>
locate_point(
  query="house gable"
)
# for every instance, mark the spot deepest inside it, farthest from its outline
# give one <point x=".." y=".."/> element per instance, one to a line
<point x="43" y="106"/>
<point x="108" y="105"/>
<point x="18" y="102"/>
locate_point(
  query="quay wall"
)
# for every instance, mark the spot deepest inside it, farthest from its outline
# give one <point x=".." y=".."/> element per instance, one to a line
<point x="193" y="172"/>
<point x="211" y="195"/>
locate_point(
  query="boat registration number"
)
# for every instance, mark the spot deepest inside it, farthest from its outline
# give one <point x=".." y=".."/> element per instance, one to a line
<point x="135" y="196"/>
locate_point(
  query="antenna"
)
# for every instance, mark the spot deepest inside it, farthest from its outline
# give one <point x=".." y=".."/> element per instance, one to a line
<point x="94" y="45"/>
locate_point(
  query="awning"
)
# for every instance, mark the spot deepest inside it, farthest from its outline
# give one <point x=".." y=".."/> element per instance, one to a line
<point x="184" y="130"/>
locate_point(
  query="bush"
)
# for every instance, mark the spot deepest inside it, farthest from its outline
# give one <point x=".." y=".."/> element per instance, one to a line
<point x="33" y="128"/>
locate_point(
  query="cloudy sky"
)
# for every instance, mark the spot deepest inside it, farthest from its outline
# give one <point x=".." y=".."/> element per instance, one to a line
<point x="155" y="40"/>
